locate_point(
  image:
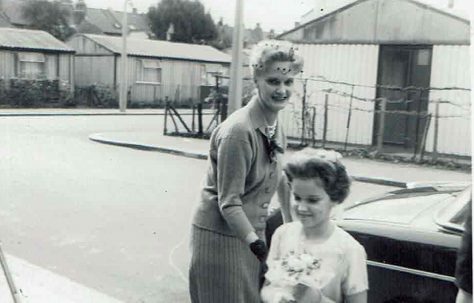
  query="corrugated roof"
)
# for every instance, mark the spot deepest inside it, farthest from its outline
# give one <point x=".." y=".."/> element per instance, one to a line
<point x="110" y="21"/>
<point x="162" y="49"/>
<point x="453" y="13"/>
<point x="104" y="20"/>
<point x="13" y="10"/>
<point x="456" y="12"/>
<point x="31" y="39"/>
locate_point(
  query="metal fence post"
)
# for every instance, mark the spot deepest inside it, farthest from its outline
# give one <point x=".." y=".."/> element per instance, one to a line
<point x="423" y="138"/>
<point x="192" y="121"/>
<point x="303" y="113"/>
<point x="325" y="119"/>
<point x="381" y="124"/>
<point x="435" y="135"/>
<point x="223" y="109"/>
<point x="165" y="130"/>
<point x="313" y="127"/>
<point x="417" y="128"/>
<point x="199" y="110"/>
<point x="348" y="119"/>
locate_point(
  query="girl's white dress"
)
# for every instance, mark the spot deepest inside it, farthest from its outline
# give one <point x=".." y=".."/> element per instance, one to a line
<point x="337" y="266"/>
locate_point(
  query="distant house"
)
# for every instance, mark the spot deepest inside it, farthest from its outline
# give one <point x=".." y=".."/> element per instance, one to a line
<point x="251" y="36"/>
<point x="157" y="70"/>
<point x="11" y="10"/>
<point x="375" y="44"/>
<point x="34" y="55"/>
<point x="109" y="22"/>
<point x="82" y="18"/>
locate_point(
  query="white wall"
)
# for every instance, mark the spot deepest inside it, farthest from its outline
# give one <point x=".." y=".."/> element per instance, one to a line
<point x="451" y="68"/>
<point x="355" y="64"/>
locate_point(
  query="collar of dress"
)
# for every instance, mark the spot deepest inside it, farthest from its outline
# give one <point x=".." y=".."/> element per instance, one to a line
<point x="257" y="117"/>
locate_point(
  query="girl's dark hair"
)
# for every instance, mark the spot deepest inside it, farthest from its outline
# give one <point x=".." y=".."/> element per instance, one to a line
<point x="307" y="165"/>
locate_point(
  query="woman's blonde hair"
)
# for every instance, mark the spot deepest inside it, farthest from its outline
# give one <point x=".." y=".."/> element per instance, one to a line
<point x="267" y="52"/>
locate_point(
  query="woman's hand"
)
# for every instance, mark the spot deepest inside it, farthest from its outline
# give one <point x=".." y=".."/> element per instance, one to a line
<point x="305" y="294"/>
<point x="259" y="249"/>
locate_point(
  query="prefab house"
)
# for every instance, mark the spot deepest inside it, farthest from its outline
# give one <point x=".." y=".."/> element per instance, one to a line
<point x="407" y="56"/>
<point x="156" y="70"/>
<point x="34" y="55"/>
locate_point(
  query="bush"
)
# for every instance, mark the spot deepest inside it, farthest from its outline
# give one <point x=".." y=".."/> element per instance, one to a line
<point x="34" y="93"/>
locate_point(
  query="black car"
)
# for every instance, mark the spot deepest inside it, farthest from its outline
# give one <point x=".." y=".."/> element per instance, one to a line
<point x="411" y="237"/>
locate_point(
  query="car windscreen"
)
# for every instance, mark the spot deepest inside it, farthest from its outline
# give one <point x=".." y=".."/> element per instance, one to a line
<point x="398" y="209"/>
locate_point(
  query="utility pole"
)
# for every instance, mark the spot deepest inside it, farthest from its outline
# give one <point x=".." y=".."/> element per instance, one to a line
<point x="235" y="90"/>
<point x="124" y="59"/>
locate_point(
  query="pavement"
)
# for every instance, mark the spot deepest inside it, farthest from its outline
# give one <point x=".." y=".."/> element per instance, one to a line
<point x="23" y="112"/>
<point x="38" y="285"/>
<point x="364" y="170"/>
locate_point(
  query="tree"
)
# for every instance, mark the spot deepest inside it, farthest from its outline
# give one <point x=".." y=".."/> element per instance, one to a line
<point x="52" y="17"/>
<point x="190" y="22"/>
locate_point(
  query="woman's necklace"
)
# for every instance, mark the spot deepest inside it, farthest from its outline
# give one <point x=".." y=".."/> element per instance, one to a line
<point x="270" y="130"/>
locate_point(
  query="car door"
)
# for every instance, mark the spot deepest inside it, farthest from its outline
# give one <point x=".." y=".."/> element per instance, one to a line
<point x="405" y="271"/>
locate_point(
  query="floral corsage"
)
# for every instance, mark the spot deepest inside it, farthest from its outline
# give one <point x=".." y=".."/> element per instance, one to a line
<point x="294" y="269"/>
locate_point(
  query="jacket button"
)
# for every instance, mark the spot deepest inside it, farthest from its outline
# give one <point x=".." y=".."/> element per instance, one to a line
<point x="262" y="219"/>
<point x="265" y="205"/>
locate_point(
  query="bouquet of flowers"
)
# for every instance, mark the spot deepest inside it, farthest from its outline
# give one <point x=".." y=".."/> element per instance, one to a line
<point x="294" y="269"/>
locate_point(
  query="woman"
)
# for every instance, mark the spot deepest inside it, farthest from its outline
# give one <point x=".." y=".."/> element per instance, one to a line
<point x="244" y="171"/>
<point x="311" y="259"/>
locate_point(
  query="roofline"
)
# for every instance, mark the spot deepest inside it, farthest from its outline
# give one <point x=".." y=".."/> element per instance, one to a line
<point x="117" y="11"/>
<point x="360" y="1"/>
<point x="321" y="17"/>
<point x="180" y="59"/>
<point x="27" y="49"/>
<point x="439" y="11"/>
<point x="148" y="57"/>
<point x="152" y="57"/>
<point x="93" y="40"/>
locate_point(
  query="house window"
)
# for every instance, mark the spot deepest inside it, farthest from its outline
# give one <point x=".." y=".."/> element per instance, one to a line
<point x="149" y="71"/>
<point x="31" y="65"/>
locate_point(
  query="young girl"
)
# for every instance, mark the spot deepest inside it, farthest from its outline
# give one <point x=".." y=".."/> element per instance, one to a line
<point x="311" y="259"/>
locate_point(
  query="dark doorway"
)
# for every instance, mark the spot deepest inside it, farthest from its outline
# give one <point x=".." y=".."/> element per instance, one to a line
<point x="408" y="67"/>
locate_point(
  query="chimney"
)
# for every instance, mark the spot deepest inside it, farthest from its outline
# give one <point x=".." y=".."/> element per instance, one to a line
<point x="450" y="3"/>
<point x="170" y="32"/>
<point x="297" y="24"/>
<point x="135" y="11"/>
<point x="79" y="12"/>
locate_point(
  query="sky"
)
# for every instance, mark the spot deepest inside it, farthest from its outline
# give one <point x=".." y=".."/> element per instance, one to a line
<point x="279" y="15"/>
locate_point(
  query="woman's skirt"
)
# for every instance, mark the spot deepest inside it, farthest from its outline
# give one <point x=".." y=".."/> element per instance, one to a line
<point x="223" y="269"/>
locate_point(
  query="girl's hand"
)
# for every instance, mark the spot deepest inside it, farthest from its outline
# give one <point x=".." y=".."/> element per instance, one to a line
<point x="305" y="294"/>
